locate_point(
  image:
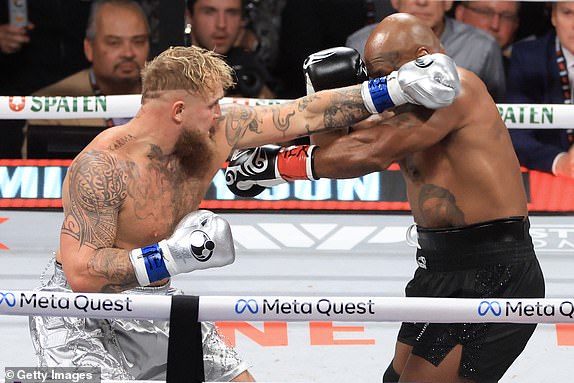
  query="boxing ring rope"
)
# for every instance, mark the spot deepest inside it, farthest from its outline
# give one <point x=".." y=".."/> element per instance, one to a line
<point x="515" y="116"/>
<point x="291" y="308"/>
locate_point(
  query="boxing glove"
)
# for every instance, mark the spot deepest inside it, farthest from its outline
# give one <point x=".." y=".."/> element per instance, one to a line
<point x="250" y="171"/>
<point x="333" y="68"/>
<point x="431" y="81"/>
<point x="201" y="240"/>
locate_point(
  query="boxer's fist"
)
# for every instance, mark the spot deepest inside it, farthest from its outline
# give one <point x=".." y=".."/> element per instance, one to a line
<point x="201" y="240"/>
<point x="431" y="81"/>
<point x="333" y="68"/>
<point x="250" y="171"/>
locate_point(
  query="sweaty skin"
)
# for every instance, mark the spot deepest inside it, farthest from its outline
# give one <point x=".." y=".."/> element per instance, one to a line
<point x="458" y="162"/>
<point x="133" y="183"/>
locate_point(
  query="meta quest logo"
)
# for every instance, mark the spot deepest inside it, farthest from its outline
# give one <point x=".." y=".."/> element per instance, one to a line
<point x="8" y="299"/>
<point x="518" y="309"/>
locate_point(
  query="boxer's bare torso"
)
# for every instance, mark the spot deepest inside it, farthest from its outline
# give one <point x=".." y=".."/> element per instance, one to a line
<point x="123" y="193"/>
<point x="458" y="162"/>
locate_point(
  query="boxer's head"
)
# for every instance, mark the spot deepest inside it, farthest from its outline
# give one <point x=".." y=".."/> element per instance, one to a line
<point x="396" y="40"/>
<point x="184" y="84"/>
<point x="194" y="70"/>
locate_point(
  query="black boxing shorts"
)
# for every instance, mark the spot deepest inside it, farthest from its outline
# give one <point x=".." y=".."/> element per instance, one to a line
<point x="490" y="259"/>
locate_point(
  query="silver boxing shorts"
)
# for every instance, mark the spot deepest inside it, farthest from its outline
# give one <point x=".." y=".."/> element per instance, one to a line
<point x="124" y="349"/>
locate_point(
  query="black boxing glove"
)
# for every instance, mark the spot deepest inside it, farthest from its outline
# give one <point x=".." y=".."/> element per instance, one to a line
<point x="430" y="80"/>
<point x="250" y="171"/>
<point x="333" y="68"/>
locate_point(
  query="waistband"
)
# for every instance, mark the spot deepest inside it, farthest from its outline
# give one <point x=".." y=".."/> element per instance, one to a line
<point x="501" y="230"/>
<point x="499" y="241"/>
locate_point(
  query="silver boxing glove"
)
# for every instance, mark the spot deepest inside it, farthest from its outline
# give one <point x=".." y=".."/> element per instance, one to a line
<point x="431" y="81"/>
<point x="201" y="240"/>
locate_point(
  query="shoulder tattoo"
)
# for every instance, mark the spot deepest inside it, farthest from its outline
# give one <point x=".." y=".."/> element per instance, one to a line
<point x="97" y="187"/>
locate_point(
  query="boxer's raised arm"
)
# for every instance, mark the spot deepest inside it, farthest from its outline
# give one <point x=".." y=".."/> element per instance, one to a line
<point x="431" y="81"/>
<point x="246" y="126"/>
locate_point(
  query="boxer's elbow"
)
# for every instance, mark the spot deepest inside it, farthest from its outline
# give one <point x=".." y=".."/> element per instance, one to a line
<point x="79" y="279"/>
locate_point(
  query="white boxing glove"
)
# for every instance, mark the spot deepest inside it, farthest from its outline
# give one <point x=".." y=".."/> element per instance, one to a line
<point x="431" y="81"/>
<point x="201" y="240"/>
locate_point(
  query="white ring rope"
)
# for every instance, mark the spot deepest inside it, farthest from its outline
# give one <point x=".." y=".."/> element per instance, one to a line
<point x="515" y="116"/>
<point x="291" y="308"/>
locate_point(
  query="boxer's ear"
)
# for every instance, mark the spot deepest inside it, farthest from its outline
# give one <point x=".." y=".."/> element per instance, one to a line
<point x="177" y="111"/>
<point x="422" y="51"/>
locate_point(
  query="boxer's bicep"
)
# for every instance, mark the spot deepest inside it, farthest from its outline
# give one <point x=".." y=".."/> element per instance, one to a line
<point x="95" y="192"/>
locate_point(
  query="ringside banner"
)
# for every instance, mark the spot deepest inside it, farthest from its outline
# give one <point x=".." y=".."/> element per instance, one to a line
<point x="38" y="184"/>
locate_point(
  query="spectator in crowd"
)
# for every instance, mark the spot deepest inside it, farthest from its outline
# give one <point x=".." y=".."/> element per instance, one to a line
<point x="542" y="71"/>
<point x="499" y="18"/>
<point x="46" y="50"/>
<point x="117" y="45"/>
<point x="217" y="25"/>
<point x="470" y="47"/>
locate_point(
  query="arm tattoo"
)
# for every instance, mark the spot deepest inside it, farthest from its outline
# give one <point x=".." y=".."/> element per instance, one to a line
<point x="238" y="121"/>
<point x="97" y="189"/>
<point x="113" y="266"/>
<point x="347" y="109"/>
<point x="281" y="123"/>
<point x="306" y="101"/>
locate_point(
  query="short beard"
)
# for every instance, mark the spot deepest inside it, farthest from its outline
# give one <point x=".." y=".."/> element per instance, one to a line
<point x="195" y="153"/>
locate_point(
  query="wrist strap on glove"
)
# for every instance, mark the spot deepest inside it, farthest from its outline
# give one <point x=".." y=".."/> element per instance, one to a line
<point x="376" y="95"/>
<point x="382" y="93"/>
<point x="149" y="264"/>
<point x="296" y="163"/>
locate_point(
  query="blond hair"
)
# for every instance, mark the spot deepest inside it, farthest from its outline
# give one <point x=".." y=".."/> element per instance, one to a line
<point x="193" y="69"/>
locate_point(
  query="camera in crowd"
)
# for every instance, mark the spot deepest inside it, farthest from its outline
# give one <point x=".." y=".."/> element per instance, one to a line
<point x="249" y="74"/>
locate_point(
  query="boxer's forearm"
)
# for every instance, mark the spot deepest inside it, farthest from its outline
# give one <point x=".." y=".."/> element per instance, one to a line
<point x="336" y="108"/>
<point x="342" y="160"/>
<point x="110" y="271"/>
<point x="247" y="127"/>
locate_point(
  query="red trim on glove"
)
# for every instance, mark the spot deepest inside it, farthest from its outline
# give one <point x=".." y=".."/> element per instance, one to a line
<point x="292" y="162"/>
